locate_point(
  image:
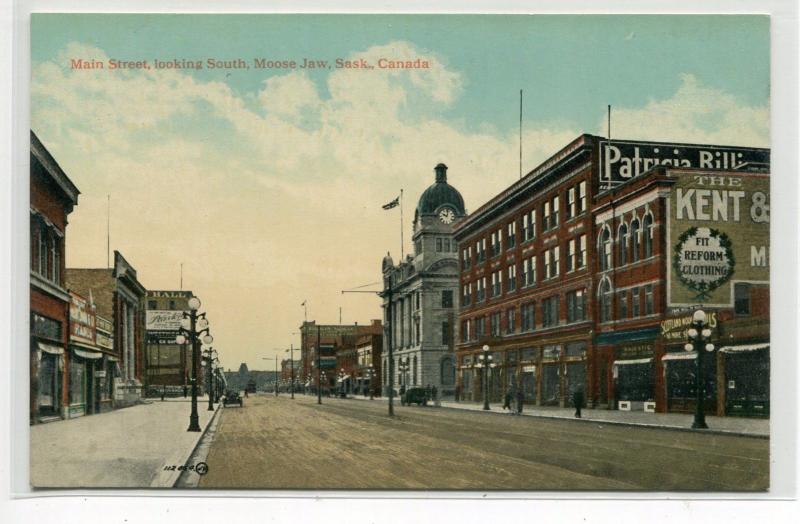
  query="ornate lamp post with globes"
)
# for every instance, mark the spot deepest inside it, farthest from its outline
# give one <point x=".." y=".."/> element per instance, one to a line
<point x="699" y="335"/>
<point x="209" y="356"/>
<point x="193" y="325"/>
<point x="485" y="364"/>
<point x="370" y="374"/>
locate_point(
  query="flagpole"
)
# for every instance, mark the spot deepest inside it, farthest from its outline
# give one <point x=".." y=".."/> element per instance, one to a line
<point x="402" y="254"/>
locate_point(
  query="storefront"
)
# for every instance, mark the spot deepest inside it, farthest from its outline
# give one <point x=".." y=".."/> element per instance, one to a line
<point x="746" y="383"/>
<point x="85" y="374"/>
<point x="634" y="377"/>
<point x="50" y="367"/>
<point x="680" y="380"/>
<point x="528" y="375"/>
<point x="551" y="375"/>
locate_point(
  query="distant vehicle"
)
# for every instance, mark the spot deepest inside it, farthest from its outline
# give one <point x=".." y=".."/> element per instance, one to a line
<point x="232" y="397"/>
<point x="416" y="396"/>
<point x="251" y="386"/>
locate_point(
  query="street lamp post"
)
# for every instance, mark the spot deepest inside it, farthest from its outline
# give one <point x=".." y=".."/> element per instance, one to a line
<point x="485" y="364"/>
<point x="370" y="372"/>
<point x="699" y="336"/>
<point x="403" y="369"/>
<point x="208" y="360"/>
<point x="291" y="367"/>
<point x="192" y="320"/>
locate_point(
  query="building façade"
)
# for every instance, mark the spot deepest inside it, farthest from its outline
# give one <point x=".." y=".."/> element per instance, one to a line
<point x="566" y="277"/>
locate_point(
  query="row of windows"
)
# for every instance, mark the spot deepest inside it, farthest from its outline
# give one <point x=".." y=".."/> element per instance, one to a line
<point x="551" y="268"/>
<point x="46" y="246"/>
<point x="549" y="309"/>
<point x="633" y="244"/>
<point x="506" y="236"/>
<point x="629" y="303"/>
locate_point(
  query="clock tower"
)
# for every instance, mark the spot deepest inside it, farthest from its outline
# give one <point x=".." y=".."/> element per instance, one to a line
<point x="421" y="309"/>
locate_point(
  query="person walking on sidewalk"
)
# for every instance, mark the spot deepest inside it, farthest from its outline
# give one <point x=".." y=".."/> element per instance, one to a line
<point x="520" y="400"/>
<point x="507" y="400"/>
<point x="577" y="401"/>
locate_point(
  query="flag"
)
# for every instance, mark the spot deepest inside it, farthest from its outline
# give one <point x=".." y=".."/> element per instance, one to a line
<point x="393" y="203"/>
<point x="304" y="303"/>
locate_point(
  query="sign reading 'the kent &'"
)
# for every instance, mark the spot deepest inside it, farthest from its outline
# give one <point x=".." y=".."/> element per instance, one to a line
<point x="621" y="160"/>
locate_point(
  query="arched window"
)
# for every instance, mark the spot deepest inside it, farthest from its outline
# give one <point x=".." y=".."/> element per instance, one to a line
<point x="605" y="249"/>
<point x="622" y="255"/>
<point x="605" y="300"/>
<point x="635" y="239"/>
<point x="648" y="236"/>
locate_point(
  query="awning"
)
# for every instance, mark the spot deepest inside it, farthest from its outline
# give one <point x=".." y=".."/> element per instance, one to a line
<point x="91" y="355"/>
<point x="634" y="361"/>
<point x="112" y="359"/>
<point x="680" y="356"/>
<point x="744" y="347"/>
<point x="53" y="350"/>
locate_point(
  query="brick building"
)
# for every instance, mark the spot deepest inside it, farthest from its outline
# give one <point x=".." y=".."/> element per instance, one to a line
<point x="419" y="294"/>
<point x="168" y="365"/>
<point x="118" y="295"/>
<point x="569" y="277"/>
<point x="52" y="198"/>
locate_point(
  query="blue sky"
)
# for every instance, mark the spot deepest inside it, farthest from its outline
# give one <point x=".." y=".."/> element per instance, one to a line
<point x="267" y="185"/>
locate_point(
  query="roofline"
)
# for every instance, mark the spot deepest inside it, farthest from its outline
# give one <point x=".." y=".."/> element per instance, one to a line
<point x="53" y="169"/>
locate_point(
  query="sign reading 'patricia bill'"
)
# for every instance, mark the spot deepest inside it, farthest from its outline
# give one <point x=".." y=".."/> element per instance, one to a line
<point x="718" y="234"/>
<point x="623" y="160"/>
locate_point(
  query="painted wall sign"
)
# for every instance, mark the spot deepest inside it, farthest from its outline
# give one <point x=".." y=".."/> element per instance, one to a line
<point x="163" y="320"/>
<point x="170" y="294"/>
<point x="718" y="234"/>
<point x="623" y="160"/>
<point x="634" y="351"/>
<point x="81" y="319"/>
<point x="329" y="331"/>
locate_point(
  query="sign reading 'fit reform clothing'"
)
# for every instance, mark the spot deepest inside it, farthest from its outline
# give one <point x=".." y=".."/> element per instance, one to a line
<point x="623" y="160"/>
<point x="718" y="235"/>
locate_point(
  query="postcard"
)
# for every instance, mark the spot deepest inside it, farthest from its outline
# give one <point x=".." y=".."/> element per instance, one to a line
<point x="400" y="252"/>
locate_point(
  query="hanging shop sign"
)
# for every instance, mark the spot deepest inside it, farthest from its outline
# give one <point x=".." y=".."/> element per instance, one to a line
<point x="623" y="160"/>
<point x="718" y="233"/>
<point x="675" y="329"/>
<point x="634" y="351"/>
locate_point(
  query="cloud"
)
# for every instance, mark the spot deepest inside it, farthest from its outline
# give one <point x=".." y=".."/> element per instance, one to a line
<point x="273" y="196"/>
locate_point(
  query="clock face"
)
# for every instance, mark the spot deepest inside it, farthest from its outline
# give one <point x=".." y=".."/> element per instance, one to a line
<point x="447" y="216"/>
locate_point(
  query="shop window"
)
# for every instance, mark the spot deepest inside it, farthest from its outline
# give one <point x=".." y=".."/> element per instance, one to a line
<point x="635" y="381"/>
<point x="550" y="384"/>
<point x="46" y="327"/>
<point x="77" y="372"/>
<point x="576" y="349"/>
<point x="741" y="298"/>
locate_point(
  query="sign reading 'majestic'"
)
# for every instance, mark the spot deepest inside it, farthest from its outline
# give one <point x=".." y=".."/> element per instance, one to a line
<point x="623" y="160"/>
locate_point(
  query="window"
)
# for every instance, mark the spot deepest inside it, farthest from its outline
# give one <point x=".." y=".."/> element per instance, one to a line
<point x="576" y="306"/>
<point x="575" y="349"/>
<point x="571" y="254"/>
<point x="528" y="316"/>
<point x="512" y="278"/>
<point x="466" y="257"/>
<point x="56" y="273"/>
<point x="42" y="250"/>
<point x="648" y="236"/>
<point x="554" y="216"/>
<point x="418" y="300"/>
<point x="546" y="216"/>
<point x="511" y="320"/>
<point x="447" y="298"/>
<point x="550" y="311"/>
<point x="582" y="197"/>
<point x="648" y="299"/>
<point x="446" y="245"/>
<point x="571" y="203"/>
<point x="556" y="260"/>
<point x="581" y="262"/>
<point x="496" y="242"/>
<point x="605" y="301"/>
<point x="529" y="271"/>
<point x="497" y="283"/>
<point x="445" y="333"/>
<point x="151" y="304"/>
<point x="546" y="261"/>
<point x="622" y="301"/>
<point x="511" y="235"/>
<point x="465" y="294"/>
<point x="416" y="332"/>
<point x="605" y="249"/>
<point x="480" y="327"/>
<point x="438" y="245"/>
<point x="414" y="371"/>
<point x="635" y="237"/>
<point x="418" y="246"/>
<point x="622" y="236"/>
<point x="480" y="250"/>
<point x="741" y="298"/>
<point x="635" y="302"/>
<point x="494" y="324"/>
<point x="481" y="292"/>
<point x="465" y="330"/>
<point x="551" y="262"/>
<point x="171" y="304"/>
<point x="529" y="224"/>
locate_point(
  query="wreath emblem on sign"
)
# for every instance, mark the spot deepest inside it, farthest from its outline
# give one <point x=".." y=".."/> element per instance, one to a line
<point x="704" y="289"/>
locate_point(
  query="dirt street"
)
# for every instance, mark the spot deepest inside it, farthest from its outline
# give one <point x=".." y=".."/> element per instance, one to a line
<point x="351" y="444"/>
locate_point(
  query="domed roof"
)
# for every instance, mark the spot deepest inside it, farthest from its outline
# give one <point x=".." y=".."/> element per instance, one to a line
<point x="439" y="194"/>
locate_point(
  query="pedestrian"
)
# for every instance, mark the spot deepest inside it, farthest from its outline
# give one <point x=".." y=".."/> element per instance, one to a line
<point x="185" y="391"/>
<point x="458" y="393"/>
<point x="507" y="400"/>
<point x="520" y="400"/>
<point x="163" y="392"/>
<point x="577" y="401"/>
<point x="435" y="393"/>
<point x="245" y="393"/>
<point x="428" y="395"/>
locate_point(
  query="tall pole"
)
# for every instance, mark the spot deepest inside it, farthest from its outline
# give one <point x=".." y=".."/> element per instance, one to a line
<point x="520" y="133"/>
<point x="108" y="232"/>
<point x="391" y="357"/>
<point x="319" y="364"/>
<point x="402" y="254"/>
<point x="194" y="421"/>
<point x="291" y="365"/>
<point x="699" y="408"/>
<point x="209" y="386"/>
<point x="276" y="374"/>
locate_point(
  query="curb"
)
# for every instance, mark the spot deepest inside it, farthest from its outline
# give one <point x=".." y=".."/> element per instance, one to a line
<point x="187" y="478"/>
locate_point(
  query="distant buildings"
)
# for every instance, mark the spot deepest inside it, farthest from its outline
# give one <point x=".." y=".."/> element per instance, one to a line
<point x="169" y="365"/>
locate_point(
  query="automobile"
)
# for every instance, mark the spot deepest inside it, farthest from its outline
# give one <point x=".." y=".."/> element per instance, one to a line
<point x="416" y="396"/>
<point x="232" y="397"/>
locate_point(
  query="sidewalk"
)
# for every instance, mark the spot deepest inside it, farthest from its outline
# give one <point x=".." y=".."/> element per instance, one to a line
<point x="751" y="427"/>
<point x="127" y="447"/>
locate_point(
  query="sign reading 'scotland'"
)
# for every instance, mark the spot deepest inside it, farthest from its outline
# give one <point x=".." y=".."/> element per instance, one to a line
<point x="623" y="160"/>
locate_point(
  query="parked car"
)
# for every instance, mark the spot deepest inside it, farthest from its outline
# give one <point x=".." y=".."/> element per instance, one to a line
<point x="416" y="396"/>
<point x="232" y="397"/>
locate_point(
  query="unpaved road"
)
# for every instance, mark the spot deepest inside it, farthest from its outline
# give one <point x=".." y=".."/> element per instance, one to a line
<point x="352" y="444"/>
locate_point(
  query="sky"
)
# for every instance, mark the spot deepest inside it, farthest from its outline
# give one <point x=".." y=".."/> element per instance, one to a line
<point x="267" y="184"/>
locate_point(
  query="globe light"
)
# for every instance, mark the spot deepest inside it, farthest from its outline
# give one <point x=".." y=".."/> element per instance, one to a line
<point x="180" y="340"/>
<point x="688" y="347"/>
<point x="692" y="333"/>
<point x="709" y="347"/>
<point x="699" y="316"/>
<point x="194" y="303"/>
<point x="202" y="323"/>
<point x="486" y="348"/>
<point x="208" y="339"/>
<point x="706" y="333"/>
<point x="186" y="323"/>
